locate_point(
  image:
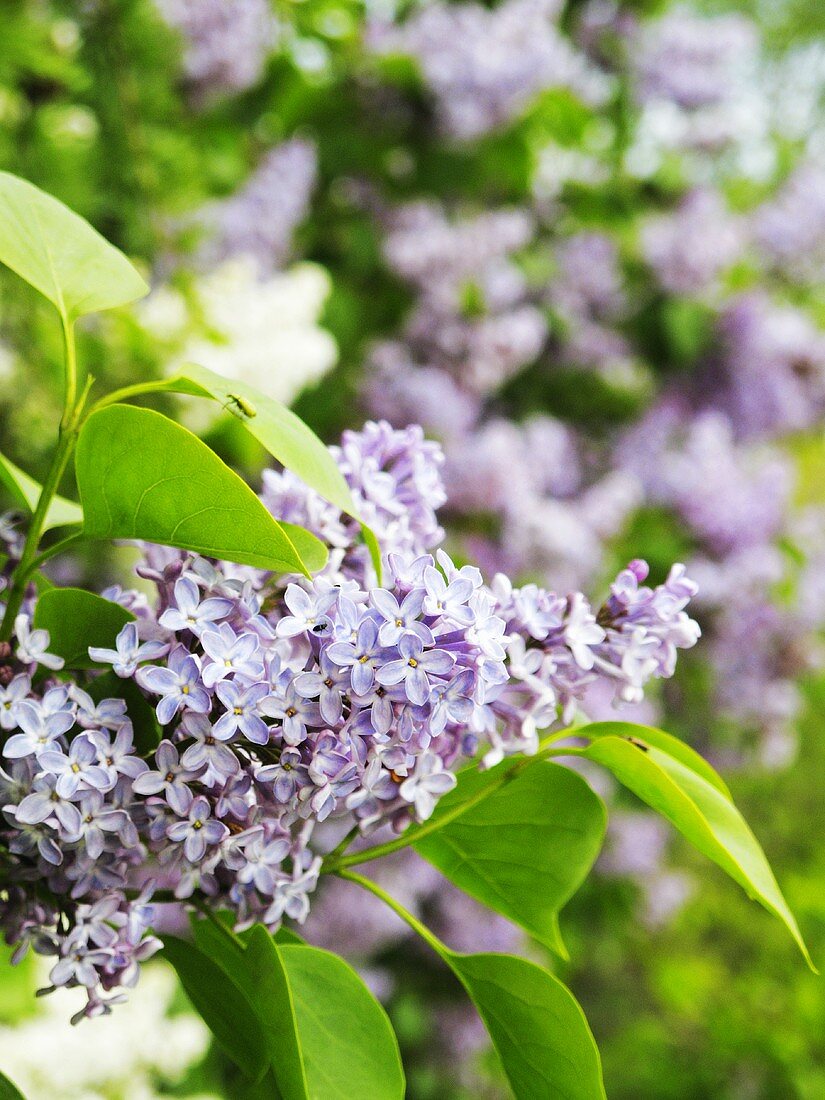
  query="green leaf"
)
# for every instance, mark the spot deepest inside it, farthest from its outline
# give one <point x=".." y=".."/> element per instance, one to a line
<point x="269" y="985"/>
<point x="284" y="435"/>
<point x="224" y="1007"/>
<point x="59" y="253"/>
<point x="8" y="1091"/>
<point x="649" y="735"/>
<point x="327" y="1036"/>
<point x="140" y="711"/>
<point x="26" y="492"/>
<point x="538" y="1029"/>
<point x="348" y="1046"/>
<point x="75" y="620"/>
<point x="141" y="476"/>
<point x="701" y="813"/>
<point x="524" y="849"/>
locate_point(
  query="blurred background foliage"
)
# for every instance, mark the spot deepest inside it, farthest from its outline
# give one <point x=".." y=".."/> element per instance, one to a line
<point x="257" y="163"/>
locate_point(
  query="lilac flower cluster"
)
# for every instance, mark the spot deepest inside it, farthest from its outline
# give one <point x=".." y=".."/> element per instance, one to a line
<point x="473" y="315"/>
<point x="283" y="704"/>
<point x="261" y="218"/>
<point x="226" y="42"/>
<point x="484" y="66"/>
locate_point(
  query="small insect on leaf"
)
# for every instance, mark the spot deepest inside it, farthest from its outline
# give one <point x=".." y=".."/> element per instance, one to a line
<point x="240" y="407"/>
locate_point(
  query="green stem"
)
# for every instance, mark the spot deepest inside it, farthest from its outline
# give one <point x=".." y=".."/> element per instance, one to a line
<point x="205" y="911"/>
<point x="335" y="865"/>
<point x="126" y="392"/>
<point x="421" y="929"/>
<point x="54" y="550"/>
<point x="70" y="370"/>
<point x="60" y="460"/>
<point x="340" y="848"/>
<point x="69" y="427"/>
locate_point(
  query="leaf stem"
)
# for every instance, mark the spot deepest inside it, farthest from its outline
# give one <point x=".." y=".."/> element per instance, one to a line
<point x="335" y="865"/>
<point x="69" y="427"/>
<point x="54" y="550"/>
<point x="126" y="392"/>
<point x="205" y="911"/>
<point x="70" y="371"/>
<point x="421" y="929"/>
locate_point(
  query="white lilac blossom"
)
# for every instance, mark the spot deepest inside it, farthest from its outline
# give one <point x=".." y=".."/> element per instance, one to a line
<point x="264" y="331"/>
<point x="286" y="702"/>
<point x="124" y="1055"/>
<point x="485" y="66"/>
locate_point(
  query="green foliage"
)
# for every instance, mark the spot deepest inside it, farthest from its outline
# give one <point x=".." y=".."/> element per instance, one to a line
<point x="324" y="1035"/>
<point x="141" y="476"/>
<point x="286" y="437"/>
<point x="8" y="1090"/>
<point x="75" y="620"/>
<point x="701" y="812"/>
<point x="649" y="735"/>
<point x="26" y="492"/>
<point x="525" y="848"/>
<point x="59" y="253"/>
<point x="537" y="1027"/>
<point x="223" y="1005"/>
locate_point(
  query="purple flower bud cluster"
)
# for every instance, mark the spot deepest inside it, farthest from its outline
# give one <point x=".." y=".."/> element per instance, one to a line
<point x="283" y="704"/>
<point x="484" y="66"/>
<point x="260" y="219"/>
<point x="473" y="314"/>
<point x="227" y="42"/>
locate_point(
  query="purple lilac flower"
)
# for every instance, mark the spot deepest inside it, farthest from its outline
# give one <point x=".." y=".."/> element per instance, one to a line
<point x="484" y="65"/>
<point x="76" y="769"/>
<point x="170" y="778"/>
<point x="198" y="831"/>
<point x="179" y="685"/>
<point x="129" y="651"/>
<point x="413" y="667"/>
<point x="243" y="711"/>
<point x="39" y="731"/>
<point x="227" y="42"/>
<point x="33" y="645"/>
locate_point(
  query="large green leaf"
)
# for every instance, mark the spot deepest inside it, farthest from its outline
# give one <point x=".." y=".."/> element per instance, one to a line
<point x="59" y="253"/>
<point x="8" y="1091"/>
<point x="523" y="850"/>
<point x="702" y="813"/>
<point x="224" y="1007"/>
<point x="269" y="989"/>
<point x="537" y="1027"/>
<point x="649" y="735"/>
<point x="141" y="476"/>
<point x="26" y="492"/>
<point x="326" y="1035"/>
<point x="284" y="435"/>
<point x="348" y="1045"/>
<point x="75" y="620"/>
